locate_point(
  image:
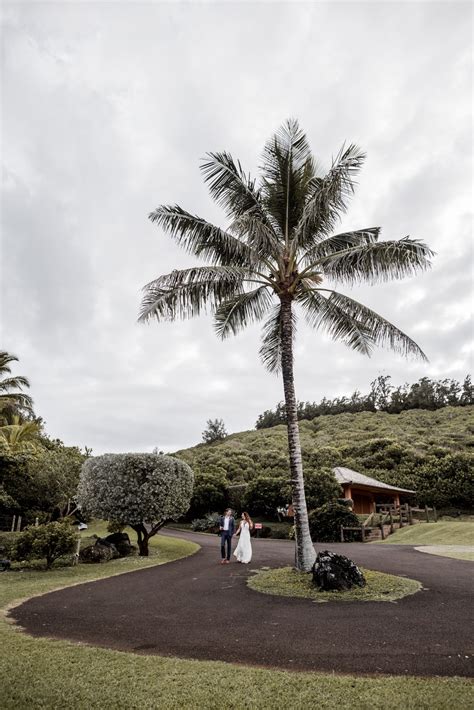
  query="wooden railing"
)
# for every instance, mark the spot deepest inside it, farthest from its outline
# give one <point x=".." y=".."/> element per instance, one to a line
<point x="388" y="514"/>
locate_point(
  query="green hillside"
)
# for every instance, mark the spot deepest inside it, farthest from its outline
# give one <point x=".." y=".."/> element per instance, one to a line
<point x="431" y="451"/>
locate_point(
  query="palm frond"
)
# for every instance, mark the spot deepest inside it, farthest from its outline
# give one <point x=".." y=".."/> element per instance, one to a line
<point x="17" y="382"/>
<point x="376" y="261"/>
<point x="324" y="314"/>
<point x="375" y="329"/>
<point x="288" y="168"/>
<point x="16" y="399"/>
<point x="328" y="197"/>
<point x="340" y="242"/>
<point x="271" y="348"/>
<point x="5" y="359"/>
<point x="186" y="293"/>
<point x="201" y="238"/>
<point x="238" y="312"/>
<point x="259" y="236"/>
<point x="230" y="186"/>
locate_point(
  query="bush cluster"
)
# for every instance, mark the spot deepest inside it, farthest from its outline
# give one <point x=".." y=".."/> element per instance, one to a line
<point x="325" y="523"/>
<point x="48" y="542"/>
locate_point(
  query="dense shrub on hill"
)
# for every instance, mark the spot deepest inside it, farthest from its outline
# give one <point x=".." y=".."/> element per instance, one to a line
<point x="209" y="493"/>
<point x="391" y="447"/>
<point x="325" y="523"/>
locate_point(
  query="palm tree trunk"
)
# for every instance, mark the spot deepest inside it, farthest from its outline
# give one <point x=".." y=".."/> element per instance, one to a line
<point x="305" y="554"/>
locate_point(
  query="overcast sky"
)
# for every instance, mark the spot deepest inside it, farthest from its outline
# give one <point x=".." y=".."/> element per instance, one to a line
<point x="107" y="109"/>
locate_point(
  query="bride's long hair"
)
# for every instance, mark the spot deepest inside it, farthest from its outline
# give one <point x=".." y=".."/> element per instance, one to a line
<point x="248" y="519"/>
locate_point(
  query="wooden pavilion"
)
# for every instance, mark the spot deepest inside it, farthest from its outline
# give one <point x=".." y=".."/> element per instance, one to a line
<point x="367" y="492"/>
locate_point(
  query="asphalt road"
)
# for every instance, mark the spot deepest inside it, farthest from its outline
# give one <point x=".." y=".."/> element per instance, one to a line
<point x="197" y="608"/>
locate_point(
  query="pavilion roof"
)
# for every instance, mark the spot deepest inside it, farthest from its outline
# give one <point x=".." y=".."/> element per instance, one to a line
<point x="346" y="475"/>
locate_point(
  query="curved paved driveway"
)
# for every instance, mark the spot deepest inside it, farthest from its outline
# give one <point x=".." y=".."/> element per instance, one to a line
<point x="197" y="608"/>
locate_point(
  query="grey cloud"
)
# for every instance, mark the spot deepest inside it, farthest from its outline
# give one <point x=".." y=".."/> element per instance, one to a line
<point x="108" y="108"/>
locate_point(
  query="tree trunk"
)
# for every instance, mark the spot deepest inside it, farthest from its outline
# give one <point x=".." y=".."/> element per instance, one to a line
<point x="305" y="554"/>
<point x="142" y="539"/>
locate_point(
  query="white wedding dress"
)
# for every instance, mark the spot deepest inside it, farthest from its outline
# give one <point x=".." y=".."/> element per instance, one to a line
<point x="243" y="551"/>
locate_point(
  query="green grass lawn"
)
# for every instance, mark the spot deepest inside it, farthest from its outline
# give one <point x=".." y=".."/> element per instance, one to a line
<point x="440" y="533"/>
<point x="49" y="674"/>
<point x="288" y="582"/>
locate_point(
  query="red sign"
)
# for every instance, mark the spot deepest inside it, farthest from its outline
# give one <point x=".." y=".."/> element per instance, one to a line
<point x="258" y="526"/>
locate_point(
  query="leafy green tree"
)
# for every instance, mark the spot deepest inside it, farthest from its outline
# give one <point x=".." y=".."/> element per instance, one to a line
<point x="144" y="491"/>
<point x="12" y="402"/>
<point x="280" y="247"/>
<point x="326" y="522"/>
<point x="321" y="487"/>
<point x="214" y="431"/>
<point x="19" y="437"/>
<point x="50" y="542"/>
<point x="209" y="495"/>
<point x="265" y="494"/>
<point x="447" y="481"/>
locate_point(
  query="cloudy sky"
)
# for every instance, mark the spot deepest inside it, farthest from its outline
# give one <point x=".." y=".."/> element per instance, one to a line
<point x="107" y="109"/>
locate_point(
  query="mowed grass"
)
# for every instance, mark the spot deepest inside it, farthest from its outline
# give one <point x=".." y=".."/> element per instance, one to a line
<point x="440" y="533"/>
<point x="50" y="674"/>
<point x="288" y="582"/>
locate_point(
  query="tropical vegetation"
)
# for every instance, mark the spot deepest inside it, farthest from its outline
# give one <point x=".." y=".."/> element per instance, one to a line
<point x="144" y="491"/>
<point x="279" y="251"/>
<point x="427" y="451"/>
<point x="383" y="396"/>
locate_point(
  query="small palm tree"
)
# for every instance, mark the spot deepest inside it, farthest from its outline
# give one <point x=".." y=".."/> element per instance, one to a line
<point x="19" y="437"/>
<point x="12" y="403"/>
<point x="279" y="251"/>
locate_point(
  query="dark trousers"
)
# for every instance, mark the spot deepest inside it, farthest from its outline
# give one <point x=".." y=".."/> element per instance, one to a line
<point x="226" y="540"/>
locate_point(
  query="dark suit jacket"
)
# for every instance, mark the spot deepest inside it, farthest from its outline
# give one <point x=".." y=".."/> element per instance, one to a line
<point x="231" y="525"/>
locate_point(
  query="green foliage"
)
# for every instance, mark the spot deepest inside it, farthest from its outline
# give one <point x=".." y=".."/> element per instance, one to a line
<point x="8" y="542"/>
<point x="447" y="481"/>
<point x="424" y="394"/>
<point x="49" y="542"/>
<point x="210" y="523"/>
<point x="394" y="448"/>
<point x="44" y="482"/>
<point x="264" y="495"/>
<point x="215" y="431"/>
<point x="321" y="487"/>
<point x="209" y="493"/>
<point x="135" y="488"/>
<point x="325" y="523"/>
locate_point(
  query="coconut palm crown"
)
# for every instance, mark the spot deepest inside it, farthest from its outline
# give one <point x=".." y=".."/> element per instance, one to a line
<point x="12" y="403"/>
<point x="279" y="251"/>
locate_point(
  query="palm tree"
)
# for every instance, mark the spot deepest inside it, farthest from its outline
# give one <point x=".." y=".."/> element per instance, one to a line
<point x="19" y="437"/>
<point x="12" y="403"/>
<point x="279" y="251"/>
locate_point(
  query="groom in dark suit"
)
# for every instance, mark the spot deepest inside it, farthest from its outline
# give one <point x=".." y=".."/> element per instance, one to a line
<point x="227" y="528"/>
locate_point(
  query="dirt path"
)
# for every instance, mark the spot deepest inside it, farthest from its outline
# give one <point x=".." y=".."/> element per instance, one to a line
<point x="197" y="608"/>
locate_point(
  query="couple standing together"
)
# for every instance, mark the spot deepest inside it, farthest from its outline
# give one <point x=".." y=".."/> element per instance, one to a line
<point x="243" y="551"/>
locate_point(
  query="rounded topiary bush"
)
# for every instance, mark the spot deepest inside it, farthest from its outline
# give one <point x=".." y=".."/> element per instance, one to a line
<point x="144" y="491"/>
<point x="325" y="523"/>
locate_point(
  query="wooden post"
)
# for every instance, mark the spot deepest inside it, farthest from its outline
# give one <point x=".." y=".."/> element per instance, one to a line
<point x="391" y="521"/>
<point x="342" y="534"/>
<point x="18" y="524"/>
<point x="410" y="515"/>
<point x="427" y="514"/>
<point x="401" y="517"/>
<point x="13" y="524"/>
<point x="382" y="531"/>
<point x="78" y="549"/>
<point x="363" y="533"/>
<point x="435" y="515"/>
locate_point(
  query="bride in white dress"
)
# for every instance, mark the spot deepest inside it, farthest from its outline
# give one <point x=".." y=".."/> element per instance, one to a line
<point x="243" y="551"/>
